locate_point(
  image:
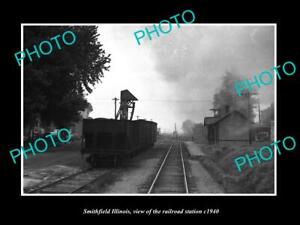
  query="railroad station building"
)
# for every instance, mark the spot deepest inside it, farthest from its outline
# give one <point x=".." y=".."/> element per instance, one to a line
<point x="230" y="126"/>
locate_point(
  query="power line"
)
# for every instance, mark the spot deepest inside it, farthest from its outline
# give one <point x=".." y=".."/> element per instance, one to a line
<point x="163" y="100"/>
<point x="174" y="100"/>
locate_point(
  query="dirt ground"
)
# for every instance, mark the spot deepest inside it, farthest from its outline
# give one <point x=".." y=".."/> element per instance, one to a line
<point x="129" y="177"/>
<point x="136" y="175"/>
<point x="53" y="164"/>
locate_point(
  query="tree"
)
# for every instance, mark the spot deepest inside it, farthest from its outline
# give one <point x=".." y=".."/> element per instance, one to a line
<point x="55" y="85"/>
<point x="227" y="97"/>
<point x="267" y="115"/>
<point x="187" y="127"/>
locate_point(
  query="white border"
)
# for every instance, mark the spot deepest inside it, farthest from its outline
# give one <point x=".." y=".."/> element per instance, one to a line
<point x="150" y="195"/>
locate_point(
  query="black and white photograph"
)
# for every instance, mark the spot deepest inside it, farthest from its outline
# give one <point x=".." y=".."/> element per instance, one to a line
<point x="126" y="109"/>
<point x="149" y="109"/>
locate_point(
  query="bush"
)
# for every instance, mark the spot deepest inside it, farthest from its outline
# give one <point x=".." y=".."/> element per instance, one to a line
<point x="220" y="163"/>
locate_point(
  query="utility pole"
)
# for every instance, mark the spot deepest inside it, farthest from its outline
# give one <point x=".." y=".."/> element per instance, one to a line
<point x="259" y="115"/>
<point x="176" y="136"/>
<point x="249" y="122"/>
<point x="248" y="94"/>
<point x="115" y="99"/>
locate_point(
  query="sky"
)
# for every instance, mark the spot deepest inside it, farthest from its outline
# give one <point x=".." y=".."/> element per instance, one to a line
<point x="175" y="76"/>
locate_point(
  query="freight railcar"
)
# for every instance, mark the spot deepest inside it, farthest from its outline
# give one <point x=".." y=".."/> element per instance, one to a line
<point x="106" y="141"/>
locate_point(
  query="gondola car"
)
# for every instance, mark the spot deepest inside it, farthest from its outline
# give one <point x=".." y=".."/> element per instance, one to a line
<point x="106" y="141"/>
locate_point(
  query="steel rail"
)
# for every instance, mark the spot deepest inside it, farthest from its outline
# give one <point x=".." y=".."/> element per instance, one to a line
<point x="158" y="172"/>
<point x="184" y="172"/>
<point x="59" y="181"/>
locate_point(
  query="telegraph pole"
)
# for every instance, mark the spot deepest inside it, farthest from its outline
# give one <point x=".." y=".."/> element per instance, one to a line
<point x="176" y="136"/>
<point x="115" y="99"/>
<point x="248" y="94"/>
<point x="259" y="115"/>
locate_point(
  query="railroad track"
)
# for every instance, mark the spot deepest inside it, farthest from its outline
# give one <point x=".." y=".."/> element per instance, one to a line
<point x="74" y="183"/>
<point x="171" y="176"/>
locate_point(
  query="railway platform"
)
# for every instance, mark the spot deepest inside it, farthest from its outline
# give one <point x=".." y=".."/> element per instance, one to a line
<point x="194" y="149"/>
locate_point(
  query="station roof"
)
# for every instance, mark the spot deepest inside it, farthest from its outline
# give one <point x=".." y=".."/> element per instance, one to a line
<point x="217" y="119"/>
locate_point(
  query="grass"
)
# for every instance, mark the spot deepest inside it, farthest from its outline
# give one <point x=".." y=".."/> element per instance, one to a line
<point x="220" y="163"/>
